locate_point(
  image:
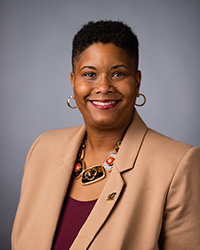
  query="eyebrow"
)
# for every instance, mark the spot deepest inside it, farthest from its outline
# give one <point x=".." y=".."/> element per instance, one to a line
<point x="88" y="67"/>
<point x="113" y="67"/>
<point x="119" y="66"/>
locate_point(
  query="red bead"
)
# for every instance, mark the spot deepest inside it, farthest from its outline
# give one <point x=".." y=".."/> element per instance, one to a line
<point x="110" y="160"/>
<point x="77" y="167"/>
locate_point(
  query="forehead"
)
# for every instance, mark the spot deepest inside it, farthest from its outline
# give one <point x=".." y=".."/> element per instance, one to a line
<point x="103" y="54"/>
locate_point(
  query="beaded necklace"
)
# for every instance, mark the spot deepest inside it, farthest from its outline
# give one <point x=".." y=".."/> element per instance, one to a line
<point x="94" y="173"/>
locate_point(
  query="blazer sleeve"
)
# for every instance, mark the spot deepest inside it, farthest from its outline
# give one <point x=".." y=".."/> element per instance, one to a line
<point x="15" y="235"/>
<point x="181" y="221"/>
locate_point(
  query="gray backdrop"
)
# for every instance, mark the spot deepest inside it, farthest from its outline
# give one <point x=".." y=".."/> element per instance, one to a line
<point x="35" y="51"/>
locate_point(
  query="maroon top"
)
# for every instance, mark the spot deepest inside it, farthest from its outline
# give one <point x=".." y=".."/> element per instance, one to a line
<point x="72" y="218"/>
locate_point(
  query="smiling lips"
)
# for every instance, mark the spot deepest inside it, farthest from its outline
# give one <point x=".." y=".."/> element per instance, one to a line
<point x="104" y="104"/>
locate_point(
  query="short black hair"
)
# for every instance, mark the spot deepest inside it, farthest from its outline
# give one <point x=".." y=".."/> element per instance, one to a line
<point x="116" y="32"/>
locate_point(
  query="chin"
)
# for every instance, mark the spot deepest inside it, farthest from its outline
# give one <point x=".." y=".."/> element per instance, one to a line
<point x="108" y="124"/>
<point x="104" y="123"/>
<point x="110" y="121"/>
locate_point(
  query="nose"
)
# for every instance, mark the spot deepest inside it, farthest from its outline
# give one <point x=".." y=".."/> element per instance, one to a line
<point x="103" y="86"/>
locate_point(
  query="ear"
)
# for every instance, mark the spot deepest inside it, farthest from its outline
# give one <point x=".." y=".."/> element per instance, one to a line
<point x="138" y="81"/>
<point x="72" y="79"/>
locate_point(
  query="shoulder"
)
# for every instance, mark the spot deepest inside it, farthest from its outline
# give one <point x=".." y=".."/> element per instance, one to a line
<point x="59" y="133"/>
<point x="58" y="136"/>
<point x="164" y="144"/>
<point x="155" y="145"/>
<point x="52" y="143"/>
<point x="167" y="154"/>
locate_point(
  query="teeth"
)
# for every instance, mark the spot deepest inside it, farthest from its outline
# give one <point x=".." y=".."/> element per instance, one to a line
<point x="104" y="103"/>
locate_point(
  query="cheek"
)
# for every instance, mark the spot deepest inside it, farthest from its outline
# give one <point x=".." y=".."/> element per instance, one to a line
<point x="80" y="90"/>
<point x="128" y="91"/>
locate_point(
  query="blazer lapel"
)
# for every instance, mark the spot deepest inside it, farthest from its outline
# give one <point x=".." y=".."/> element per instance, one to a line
<point x="131" y="144"/>
<point x="112" y="190"/>
<point x="100" y="212"/>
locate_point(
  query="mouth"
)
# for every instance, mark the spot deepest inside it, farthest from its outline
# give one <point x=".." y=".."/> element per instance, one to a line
<point x="104" y="104"/>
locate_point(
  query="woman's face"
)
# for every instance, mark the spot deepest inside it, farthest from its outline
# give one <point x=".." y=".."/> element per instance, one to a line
<point x="105" y="85"/>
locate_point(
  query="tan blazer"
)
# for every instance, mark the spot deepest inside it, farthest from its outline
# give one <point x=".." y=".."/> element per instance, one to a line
<point x="157" y="201"/>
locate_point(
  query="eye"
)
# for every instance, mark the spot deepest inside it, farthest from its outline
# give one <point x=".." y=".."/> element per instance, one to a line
<point x="90" y="74"/>
<point x="118" y="74"/>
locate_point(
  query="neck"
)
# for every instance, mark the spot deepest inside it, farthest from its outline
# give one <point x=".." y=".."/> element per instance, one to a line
<point x="103" y="140"/>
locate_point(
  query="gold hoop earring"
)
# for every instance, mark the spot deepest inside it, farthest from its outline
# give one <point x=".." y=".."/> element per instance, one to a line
<point x="69" y="105"/>
<point x="145" y="99"/>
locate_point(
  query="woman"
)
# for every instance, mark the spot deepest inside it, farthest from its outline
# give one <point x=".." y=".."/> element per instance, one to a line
<point x="112" y="183"/>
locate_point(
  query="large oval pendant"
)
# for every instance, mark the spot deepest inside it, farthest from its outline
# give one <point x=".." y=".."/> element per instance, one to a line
<point x="93" y="174"/>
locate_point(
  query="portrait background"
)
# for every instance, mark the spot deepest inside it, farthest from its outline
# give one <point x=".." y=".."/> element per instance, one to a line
<point x="35" y="59"/>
